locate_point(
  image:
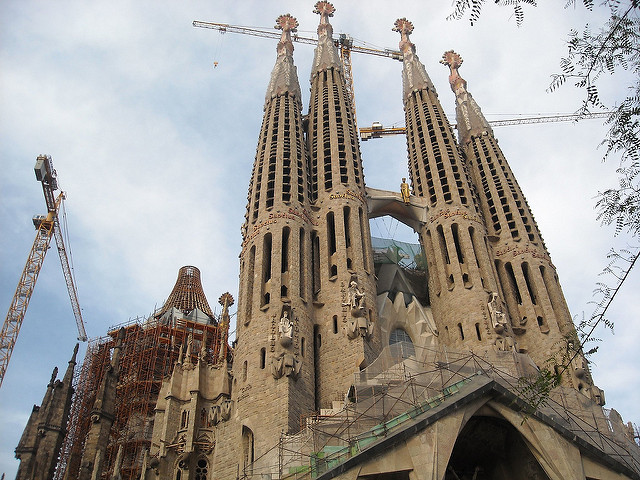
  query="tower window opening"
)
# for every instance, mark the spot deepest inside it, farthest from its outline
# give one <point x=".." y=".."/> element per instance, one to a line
<point x="285" y="250"/>
<point x="302" y="346"/>
<point x="335" y="324"/>
<point x="443" y="245"/>
<point x="456" y="242"/>
<point x="266" y="258"/>
<point x="202" y="469"/>
<point x="513" y="282"/>
<point x="184" y="419"/>
<point x="331" y="232"/>
<point x="315" y="263"/>
<point x="301" y="264"/>
<point x="247" y="450"/>
<point x="363" y="229"/>
<point x="461" y="331"/>
<point x="527" y="279"/>
<point x="334" y="270"/>
<point x="263" y="357"/>
<point x="347" y="230"/>
<point x="478" y="331"/>
<point x="284" y="291"/>
<point x="244" y="371"/>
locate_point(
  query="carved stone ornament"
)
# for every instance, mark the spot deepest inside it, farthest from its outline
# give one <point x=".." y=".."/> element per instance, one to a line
<point x="285" y="365"/>
<point x="498" y="317"/>
<point x="358" y="324"/>
<point x="285" y="329"/>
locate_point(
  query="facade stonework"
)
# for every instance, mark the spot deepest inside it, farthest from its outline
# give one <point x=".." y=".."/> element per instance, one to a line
<point x="346" y="366"/>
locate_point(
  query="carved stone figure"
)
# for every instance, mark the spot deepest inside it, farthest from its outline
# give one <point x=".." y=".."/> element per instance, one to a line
<point x="356" y="299"/>
<point x="404" y="191"/>
<point x="285" y="329"/>
<point x="498" y="317"/>
<point x="285" y="364"/>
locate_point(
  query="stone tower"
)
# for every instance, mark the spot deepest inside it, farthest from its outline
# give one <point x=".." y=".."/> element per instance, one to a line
<point x="41" y="441"/>
<point x="539" y="313"/>
<point x="463" y="289"/>
<point x="273" y="363"/>
<point x="343" y="283"/>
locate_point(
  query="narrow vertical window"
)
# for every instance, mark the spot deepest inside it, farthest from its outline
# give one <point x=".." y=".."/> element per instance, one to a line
<point x="335" y="324"/>
<point x="478" y="331"/>
<point x="301" y="264"/>
<point x="461" y="332"/>
<point x="331" y="233"/>
<point x="263" y="357"/>
<point x="347" y="230"/>
<point x="285" y="250"/>
<point x="315" y="263"/>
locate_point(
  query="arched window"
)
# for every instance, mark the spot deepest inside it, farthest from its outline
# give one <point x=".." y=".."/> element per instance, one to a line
<point x="401" y="344"/>
<point x="202" y="468"/>
<point x="247" y="450"/>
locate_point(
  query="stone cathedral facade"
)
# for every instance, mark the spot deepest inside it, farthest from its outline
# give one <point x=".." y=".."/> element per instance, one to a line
<point x="344" y="368"/>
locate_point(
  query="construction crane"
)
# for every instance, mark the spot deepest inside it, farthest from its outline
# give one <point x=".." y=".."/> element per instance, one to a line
<point x="377" y="130"/>
<point x="344" y="42"/>
<point x="47" y="226"/>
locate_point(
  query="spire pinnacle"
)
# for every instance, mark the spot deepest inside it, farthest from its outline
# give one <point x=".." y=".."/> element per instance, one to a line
<point x="453" y="60"/>
<point x="284" y="77"/>
<point x="471" y="121"/>
<point x="414" y="75"/>
<point x="287" y="24"/>
<point x="405" y="28"/>
<point x="326" y="55"/>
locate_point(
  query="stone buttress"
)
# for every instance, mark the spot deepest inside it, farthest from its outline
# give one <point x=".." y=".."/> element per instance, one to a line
<point x="463" y="289"/>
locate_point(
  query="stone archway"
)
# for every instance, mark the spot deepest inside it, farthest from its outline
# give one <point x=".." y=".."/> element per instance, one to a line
<point x="492" y="448"/>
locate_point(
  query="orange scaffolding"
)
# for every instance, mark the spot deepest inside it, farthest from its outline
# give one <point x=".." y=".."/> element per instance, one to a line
<point x="150" y="349"/>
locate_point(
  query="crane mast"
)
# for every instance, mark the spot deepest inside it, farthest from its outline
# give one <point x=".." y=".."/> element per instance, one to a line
<point x="47" y="226"/>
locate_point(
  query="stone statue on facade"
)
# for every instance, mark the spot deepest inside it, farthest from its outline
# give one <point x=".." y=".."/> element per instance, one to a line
<point x="404" y="191"/>
<point x="286" y="329"/>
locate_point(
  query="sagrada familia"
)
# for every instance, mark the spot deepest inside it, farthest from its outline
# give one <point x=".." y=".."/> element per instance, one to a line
<point x="344" y="366"/>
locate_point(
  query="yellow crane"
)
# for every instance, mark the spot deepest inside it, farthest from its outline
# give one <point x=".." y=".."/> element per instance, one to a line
<point x="344" y="42"/>
<point x="47" y="226"/>
<point x="377" y="130"/>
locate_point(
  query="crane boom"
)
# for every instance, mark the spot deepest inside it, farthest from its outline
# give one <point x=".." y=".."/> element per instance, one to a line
<point x="47" y="226"/>
<point x="377" y="130"/>
<point x="343" y="42"/>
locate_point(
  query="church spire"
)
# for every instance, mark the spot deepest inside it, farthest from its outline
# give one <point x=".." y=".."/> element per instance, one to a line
<point x="284" y="77"/>
<point x="414" y="75"/>
<point x="326" y="55"/>
<point x="471" y="121"/>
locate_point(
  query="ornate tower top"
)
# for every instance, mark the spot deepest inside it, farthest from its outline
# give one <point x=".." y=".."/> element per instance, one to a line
<point x="187" y="293"/>
<point x="471" y="121"/>
<point x="405" y="28"/>
<point x="414" y="75"/>
<point x="454" y="61"/>
<point x="284" y="77"/>
<point x="326" y="55"/>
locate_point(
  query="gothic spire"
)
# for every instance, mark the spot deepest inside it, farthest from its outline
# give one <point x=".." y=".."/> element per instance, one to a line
<point x="414" y="75"/>
<point x="326" y="54"/>
<point x="284" y="77"/>
<point x="471" y="121"/>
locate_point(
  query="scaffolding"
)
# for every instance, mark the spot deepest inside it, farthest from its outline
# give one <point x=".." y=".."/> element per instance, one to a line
<point x="150" y="349"/>
<point x="398" y="389"/>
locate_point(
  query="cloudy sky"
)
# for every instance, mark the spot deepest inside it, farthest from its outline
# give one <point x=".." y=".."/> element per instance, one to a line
<point x="154" y="147"/>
